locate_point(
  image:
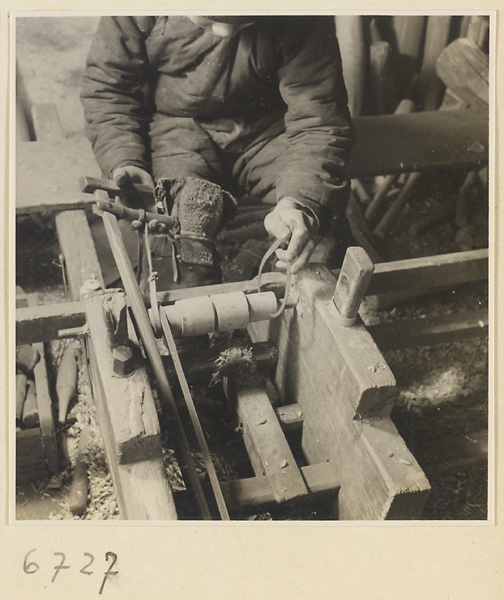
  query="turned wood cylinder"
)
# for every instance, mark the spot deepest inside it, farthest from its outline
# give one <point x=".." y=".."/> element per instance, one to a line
<point x="221" y="312"/>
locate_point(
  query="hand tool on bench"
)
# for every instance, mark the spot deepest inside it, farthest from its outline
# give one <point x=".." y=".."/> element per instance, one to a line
<point x="77" y="498"/>
<point x="66" y="381"/>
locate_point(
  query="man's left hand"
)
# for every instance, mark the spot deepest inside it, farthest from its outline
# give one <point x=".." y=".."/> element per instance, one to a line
<point x="289" y="217"/>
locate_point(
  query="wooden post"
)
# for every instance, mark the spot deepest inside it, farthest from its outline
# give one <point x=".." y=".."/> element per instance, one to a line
<point x="349" y="30"/>
<point x="267" y="447"/>
<point x="430" y="87"/>
<point x="382" y="89"/>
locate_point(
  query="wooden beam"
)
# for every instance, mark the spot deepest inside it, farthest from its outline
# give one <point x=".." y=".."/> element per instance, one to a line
<point x="141" y="488"/>
<point x="129" y="401"/>
<point x="42" y="323"/>
<point x="429" y="331"/>
<point x="76" y="243"/>
<point x="44" y="402"/>
<point x="419" y="142"/>
<point x="443" y="270"/>
<point x="345" y="390"/>
<point x="47" y="174"/>
<point x="255" y="492"/>
<point x="267" y="447"/>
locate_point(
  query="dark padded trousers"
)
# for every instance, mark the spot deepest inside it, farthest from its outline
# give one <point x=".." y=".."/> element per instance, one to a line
<point x="227" y="154"/>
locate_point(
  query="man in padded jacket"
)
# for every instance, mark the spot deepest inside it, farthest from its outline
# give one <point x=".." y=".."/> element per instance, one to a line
<point x="256" y="105"/>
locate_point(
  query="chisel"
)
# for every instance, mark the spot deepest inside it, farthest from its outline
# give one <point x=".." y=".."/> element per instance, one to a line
<point x="66" y="381"/>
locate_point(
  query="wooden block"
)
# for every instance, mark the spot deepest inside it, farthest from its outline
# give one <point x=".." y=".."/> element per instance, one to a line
<point x="290" y="417"/>
<point x="81" y="261"/>
<point x="429" y="331"/>
<point x="268" y="449"/>
<point x="345" y="390"/>
<point x="255" y="492"/>
<point x="463" y="64"/>
<point x="141" y="488"/>
<point x="129" y="401"/>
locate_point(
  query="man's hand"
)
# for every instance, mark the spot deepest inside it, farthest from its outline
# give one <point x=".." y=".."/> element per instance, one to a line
<point x="129" y="174"/>
<point x="287" y="217"/>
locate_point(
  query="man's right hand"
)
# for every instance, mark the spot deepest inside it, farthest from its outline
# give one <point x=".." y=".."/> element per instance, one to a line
<point x="124" y="176"/>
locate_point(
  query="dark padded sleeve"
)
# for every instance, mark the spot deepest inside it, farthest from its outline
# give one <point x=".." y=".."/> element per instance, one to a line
<point x="112" y="93"/>
<point x="318" y="125"/>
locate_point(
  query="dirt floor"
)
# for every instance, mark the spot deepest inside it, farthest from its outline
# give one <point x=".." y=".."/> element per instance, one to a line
<point x="443" y="390"/>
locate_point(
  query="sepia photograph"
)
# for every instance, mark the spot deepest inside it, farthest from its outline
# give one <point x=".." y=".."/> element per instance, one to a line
<point x="252" y="272"/>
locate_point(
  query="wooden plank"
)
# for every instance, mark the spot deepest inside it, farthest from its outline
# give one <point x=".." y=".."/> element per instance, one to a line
<point x="46" y="122"/>
<point x="42" y="323"/>
<point x="47" y="174"/>
<point x="409" y="36"/>
<point x="338" y="376"/>
<point x="141" y="488"/>
<point x="44" y="401"/>
<point x="463" y="64"/>
<point x="130" y="403"/>
<point x="443" y="270"/>
<point x="268" y="449"/>
<point x="81" y="261"/>
<point x="419" y="142"/>
<point x="429" y="331"/>
<point x="255" y="492"/>
<point x="454" y="453"/>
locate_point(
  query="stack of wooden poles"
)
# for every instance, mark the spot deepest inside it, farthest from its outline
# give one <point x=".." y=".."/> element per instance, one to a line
<point x="402" y="64"/>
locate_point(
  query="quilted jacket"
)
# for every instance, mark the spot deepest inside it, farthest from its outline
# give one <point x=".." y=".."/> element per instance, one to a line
<point x="286" y="68"/>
